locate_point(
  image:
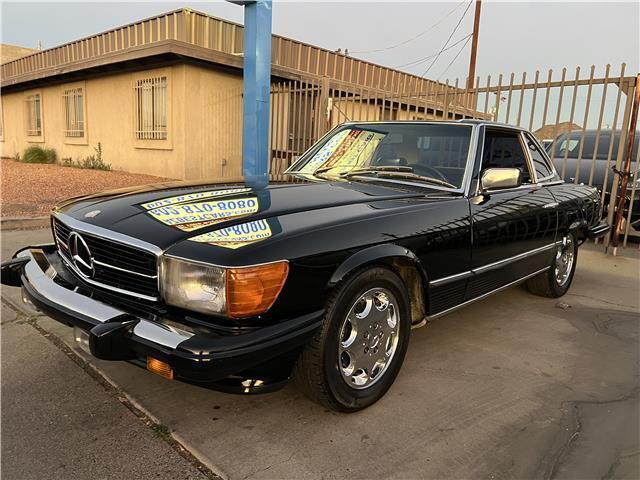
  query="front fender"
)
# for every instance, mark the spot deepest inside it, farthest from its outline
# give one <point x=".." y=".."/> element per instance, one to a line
<point x="379" y="253"/>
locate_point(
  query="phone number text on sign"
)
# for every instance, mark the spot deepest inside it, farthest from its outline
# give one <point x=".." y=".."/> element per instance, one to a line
<point x="204" y="211"/>
<point x="236" y="236"/>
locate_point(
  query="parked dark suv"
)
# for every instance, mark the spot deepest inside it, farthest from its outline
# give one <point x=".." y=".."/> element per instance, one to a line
<point x="580" y="161"/>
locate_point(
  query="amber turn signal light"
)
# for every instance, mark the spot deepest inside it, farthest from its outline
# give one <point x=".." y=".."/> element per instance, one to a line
<point x="159" y="367"/>
<point x="253" y="290"/>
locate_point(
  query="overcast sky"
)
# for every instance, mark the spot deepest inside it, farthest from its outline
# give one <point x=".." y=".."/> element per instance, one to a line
<point x="514" y="36"/>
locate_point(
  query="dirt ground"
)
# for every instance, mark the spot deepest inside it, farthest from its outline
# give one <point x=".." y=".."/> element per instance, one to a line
<point x="30" y="190"/>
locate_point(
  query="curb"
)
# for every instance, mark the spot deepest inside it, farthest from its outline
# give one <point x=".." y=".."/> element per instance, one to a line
<point x="24" y="223"/>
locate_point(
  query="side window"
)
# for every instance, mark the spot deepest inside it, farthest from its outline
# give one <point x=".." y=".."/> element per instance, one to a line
<point x="502" y="149"/>
<point x="34" y="115"/>
<point x="540" y="165"/>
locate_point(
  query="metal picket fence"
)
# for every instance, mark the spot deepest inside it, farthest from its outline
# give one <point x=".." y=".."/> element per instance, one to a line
<point x="585" y="117"/>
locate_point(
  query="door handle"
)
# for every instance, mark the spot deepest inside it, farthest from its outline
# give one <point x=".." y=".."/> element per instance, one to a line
<point x="551" y="205"/>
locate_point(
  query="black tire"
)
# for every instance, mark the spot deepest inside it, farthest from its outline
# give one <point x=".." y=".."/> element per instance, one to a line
<point x="546" y="284"/>
<point x="317" y="372"/>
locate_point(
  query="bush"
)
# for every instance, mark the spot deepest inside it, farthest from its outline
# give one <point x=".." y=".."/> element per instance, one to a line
<point x="37" y="154"/>
<point x="93" y="162"/>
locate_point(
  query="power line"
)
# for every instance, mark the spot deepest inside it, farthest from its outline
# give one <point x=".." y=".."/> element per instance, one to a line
<point x="456" y="57"/>
<point x="464" y="14"/>
<point x="415" y="37"/>
<point x="422" y="59"/>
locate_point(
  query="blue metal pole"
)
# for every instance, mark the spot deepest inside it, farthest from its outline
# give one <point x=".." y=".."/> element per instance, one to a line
<point x="257" y="85"/>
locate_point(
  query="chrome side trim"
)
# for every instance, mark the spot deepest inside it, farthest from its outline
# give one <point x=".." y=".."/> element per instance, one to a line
<point x="490" y="266"/>
<point x="451" y="278"/>
<point x="70" y="264"/>
<point x="102" y="264"/>
<point x="551" y="205"/>
<point x="108" y="234"/>
<point x="515" y="258"/>
<point x="485" y="295"/>
<point x="48" y="288"/>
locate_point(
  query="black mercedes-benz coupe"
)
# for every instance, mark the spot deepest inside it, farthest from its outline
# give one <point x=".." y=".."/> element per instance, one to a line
<point x="381" y="228"/>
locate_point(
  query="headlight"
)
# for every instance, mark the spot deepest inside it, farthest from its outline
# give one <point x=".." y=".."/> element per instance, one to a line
<point x="238" y="292"/>
<point x="195" y="286"/>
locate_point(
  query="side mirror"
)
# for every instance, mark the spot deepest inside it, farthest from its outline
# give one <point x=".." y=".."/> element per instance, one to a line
<point x="496" y="178"/>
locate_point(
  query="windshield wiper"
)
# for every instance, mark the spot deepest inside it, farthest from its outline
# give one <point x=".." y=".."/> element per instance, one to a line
<point x="396" y="172"/>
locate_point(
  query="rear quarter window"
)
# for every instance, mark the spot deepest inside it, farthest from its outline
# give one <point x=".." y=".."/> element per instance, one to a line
<point x="538" y="159"/>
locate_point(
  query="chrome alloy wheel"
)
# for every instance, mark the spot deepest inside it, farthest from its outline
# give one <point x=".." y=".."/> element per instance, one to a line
<point x="368" y="338"/>
<point x="563" y="264"/>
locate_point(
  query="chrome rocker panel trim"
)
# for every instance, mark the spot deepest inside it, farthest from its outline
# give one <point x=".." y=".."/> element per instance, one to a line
<point x="491" y="266"/>
<point x="485" y="295"/>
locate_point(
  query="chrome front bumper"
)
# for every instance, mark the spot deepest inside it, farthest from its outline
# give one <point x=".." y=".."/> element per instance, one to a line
<point x="196" y="355"/>
<point x="40" y="286"/>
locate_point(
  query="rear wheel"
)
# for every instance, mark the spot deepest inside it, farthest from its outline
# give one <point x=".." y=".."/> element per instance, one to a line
<point x="356" y="355"/>
<point x="555" y="282"/>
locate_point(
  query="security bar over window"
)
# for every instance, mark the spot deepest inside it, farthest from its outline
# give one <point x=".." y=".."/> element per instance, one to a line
<point x="151" y="108"/>
<point x="34" y="115"/>
<point x="73" y="112"/>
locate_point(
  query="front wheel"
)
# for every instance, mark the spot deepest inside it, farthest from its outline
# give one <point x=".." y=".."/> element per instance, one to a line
<point x="555" y="282"/>
<point x="354" y="358"/>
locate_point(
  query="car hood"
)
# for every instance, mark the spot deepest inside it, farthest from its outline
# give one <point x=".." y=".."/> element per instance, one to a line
<point x="224" y="215"/>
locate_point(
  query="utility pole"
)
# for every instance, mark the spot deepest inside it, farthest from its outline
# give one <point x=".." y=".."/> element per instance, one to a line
<point x="474" y="46"/>
<point x="256" y="92"/>
<point x="626" y="169"/>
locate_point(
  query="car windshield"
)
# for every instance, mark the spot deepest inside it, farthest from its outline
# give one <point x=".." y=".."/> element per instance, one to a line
<point x="430" y="153"/>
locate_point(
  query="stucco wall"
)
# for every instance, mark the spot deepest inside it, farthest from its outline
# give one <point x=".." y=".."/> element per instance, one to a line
<point x="204" y="121"/>
<point x="213" y="117"/>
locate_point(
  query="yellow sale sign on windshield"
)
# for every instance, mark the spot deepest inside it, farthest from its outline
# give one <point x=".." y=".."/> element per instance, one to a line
<point x="348" y="149"/>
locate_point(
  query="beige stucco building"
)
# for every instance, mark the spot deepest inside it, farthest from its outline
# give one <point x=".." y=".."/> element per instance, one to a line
<point x="163" y="96"/>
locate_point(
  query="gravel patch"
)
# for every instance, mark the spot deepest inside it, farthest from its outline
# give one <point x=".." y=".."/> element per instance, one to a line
<point x="31" y="190"/>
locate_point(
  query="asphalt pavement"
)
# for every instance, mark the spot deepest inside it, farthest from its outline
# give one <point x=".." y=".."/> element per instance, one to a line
<point x="61" y="420"/>
<point x="515" y="386"/>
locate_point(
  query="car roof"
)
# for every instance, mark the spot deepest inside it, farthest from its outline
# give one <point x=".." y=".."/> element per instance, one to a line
<point x="465" y="121"/>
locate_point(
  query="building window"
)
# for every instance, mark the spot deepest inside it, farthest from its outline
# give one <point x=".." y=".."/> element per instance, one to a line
<point x="73" y="104"/>
<point x="34" y="115"/>
<point x="151" y="108"/>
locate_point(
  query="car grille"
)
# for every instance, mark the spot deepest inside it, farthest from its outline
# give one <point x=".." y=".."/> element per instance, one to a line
<point x="117" y="267"/>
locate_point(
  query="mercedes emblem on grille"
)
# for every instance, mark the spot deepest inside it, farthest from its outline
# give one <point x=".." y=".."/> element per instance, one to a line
<point x="80" y="255"/>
